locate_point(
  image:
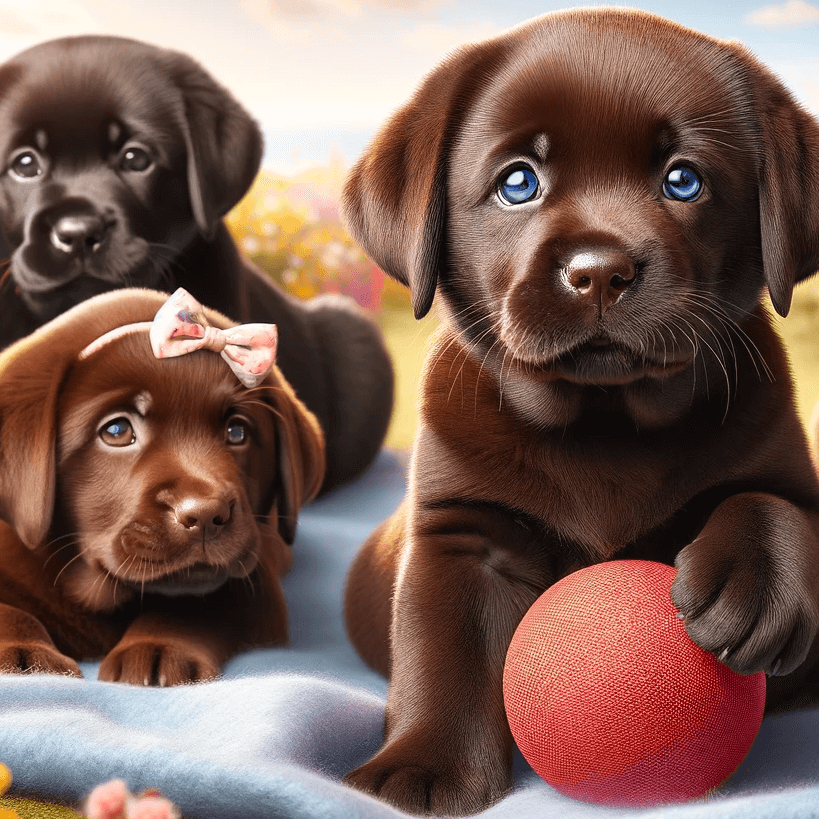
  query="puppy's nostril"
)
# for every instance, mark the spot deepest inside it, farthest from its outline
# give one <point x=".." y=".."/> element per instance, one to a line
<point x="619" y="283"/>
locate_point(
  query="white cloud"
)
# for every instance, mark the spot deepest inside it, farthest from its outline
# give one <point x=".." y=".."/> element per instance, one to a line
<point x="14" y="22"/>
<point x="793" y="14"/>
<point x="298" y="21"/>
<point x="304" y="8"/>
<point x="24" y="22"/>
<point x="408" y="5"/>
<point x="442" y="38"/>
<point x="322" y="112"/>
<point x="802" y="78"/>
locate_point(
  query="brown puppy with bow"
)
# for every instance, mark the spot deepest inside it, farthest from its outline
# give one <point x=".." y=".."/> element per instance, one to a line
<point x="599" y="198"/>
<point x="119" y="160"/>
<point x="149" y="504"/>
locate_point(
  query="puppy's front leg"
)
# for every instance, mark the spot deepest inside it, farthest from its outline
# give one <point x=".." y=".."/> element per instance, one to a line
<point x="164" y="649"/>
<point x="189" y="638"/>
<point x="748" y="586"/>
<point x="26" y="646"/>
<point x="461" y="590"/>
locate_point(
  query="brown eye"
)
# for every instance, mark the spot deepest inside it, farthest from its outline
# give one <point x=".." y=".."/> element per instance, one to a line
<point x="118" y="432"/>
<point x="237" y="432"/>
<point x="26" y="165"/>
<point x="135" y="158"/>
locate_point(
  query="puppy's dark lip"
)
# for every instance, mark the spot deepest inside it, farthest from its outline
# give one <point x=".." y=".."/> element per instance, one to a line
<point x="38" y="285"/>
<point x="599" y="361"/>
<point x="44" y="286"/>
<point x="198" y="579"/>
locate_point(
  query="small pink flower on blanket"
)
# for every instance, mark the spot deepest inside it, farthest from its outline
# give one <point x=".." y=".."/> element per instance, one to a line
<point x="113" y="800"/>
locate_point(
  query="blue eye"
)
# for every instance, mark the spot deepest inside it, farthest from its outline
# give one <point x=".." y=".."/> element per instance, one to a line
<point x="682" y="184"/>
<point x="518" y="186"/>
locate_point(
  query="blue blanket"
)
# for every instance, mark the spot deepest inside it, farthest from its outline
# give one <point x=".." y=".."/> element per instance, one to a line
<point x="274" y="736"/>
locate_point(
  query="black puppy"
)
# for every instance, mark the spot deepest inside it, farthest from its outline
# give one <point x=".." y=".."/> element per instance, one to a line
<point x="119" y="160"/>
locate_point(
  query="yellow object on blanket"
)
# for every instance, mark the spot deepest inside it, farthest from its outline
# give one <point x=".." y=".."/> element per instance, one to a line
<point x="5" y="784"/>
<point x="27" y="808"/>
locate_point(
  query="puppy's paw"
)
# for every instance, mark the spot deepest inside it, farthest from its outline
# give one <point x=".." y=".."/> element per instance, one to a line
<point x="35" y="658"/>
<point x="748" y="613"/>
<point x="414" y="784"/>
<point x="154" y="663"/>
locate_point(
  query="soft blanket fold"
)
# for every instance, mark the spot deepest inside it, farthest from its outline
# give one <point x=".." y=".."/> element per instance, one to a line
<point x="274" y="736"/>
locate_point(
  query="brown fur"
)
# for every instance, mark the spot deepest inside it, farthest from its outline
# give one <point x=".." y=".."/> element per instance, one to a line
<point x="607" y="383"/>
<point x="89" y="222"/>
<point x="164" y="558"/>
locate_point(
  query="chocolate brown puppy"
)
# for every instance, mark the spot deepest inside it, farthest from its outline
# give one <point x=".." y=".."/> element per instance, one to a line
<point x="600" y="199"/>
<point x="118" y="161"/>
<point x="149" y="505"/>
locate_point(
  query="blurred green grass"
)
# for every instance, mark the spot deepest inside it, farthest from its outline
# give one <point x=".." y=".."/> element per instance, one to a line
<point x="407" y="341"/>
<point x="800" y="332"/>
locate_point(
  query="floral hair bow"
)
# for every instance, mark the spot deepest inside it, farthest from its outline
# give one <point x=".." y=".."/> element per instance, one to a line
<point x="180" y="327"/>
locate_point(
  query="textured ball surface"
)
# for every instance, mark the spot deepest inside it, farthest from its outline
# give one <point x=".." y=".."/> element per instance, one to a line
<point x="609" y="699"/>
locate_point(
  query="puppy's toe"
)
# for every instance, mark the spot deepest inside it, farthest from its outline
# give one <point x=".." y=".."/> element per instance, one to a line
<point x="422" y="790"/>
<point x="147" y="663"/>
<point x="35" y="658"/>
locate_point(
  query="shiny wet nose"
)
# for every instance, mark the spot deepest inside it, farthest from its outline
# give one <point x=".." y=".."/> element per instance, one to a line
<point x="203" y="515"/>
<point x="600" y="277"/>
<point x="79" y="233"/>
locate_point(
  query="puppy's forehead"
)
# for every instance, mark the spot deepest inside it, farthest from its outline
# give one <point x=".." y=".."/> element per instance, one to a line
<point x="584" y="75"/>
<point x="126" y="368"/>
<point x="77" y="90"/>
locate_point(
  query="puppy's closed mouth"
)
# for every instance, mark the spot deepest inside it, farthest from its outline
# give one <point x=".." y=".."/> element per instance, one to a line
<point x="599" y="361"/>
<point x="198" y="579"/>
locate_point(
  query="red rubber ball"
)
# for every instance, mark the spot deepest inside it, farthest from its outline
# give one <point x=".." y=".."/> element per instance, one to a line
<point x="609" y="699"/>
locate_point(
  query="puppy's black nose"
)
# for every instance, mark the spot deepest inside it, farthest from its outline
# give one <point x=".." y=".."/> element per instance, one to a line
<point x="79" y="233"/>
<point x="600" y="277"/>
<point x="205" y="516"/>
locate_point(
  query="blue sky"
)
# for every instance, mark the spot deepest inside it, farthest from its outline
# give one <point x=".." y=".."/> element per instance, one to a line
<point x="324" y="73"/>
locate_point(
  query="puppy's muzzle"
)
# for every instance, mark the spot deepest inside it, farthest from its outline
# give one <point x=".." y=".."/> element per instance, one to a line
<point x="599" y="277"/>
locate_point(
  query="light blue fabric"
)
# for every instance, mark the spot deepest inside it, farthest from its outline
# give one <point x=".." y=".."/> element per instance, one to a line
<point x="274" y="736"/>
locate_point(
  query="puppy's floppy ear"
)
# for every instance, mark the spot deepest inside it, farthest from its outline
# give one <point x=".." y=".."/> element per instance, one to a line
<point x="788" y="185"/>
<point x="223" y="143"/>
<point x="394" y="201"/>
<point x="32" y="372"/>
<point x="300" y="461"/>
<point x="29" y="387"/>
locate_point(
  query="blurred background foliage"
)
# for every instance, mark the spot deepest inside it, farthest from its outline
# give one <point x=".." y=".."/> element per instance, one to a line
<point x="291" y="228"/>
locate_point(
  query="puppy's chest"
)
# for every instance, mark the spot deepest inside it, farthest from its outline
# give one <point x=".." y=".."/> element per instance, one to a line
<point x="600" y="497"/>
<point x="603" y="498"/>
<point x="598" y="483"/>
